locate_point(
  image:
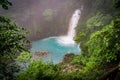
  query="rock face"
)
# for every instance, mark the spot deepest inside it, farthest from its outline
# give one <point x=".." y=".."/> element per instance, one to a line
<point x="38" y="55"/>
<point x="42" y="18"/>
<point x="68" y="58"/>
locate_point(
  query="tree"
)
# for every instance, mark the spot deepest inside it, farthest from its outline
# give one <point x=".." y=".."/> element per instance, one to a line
<point x="117" y="3"/>
<point x="38" y="70"/>
<point x="24" y="58"/>
<point x="104" y="45"/>
<point x="5" y="4"/>
<point x="12" y="37"/>
<point x="12" y="42"/>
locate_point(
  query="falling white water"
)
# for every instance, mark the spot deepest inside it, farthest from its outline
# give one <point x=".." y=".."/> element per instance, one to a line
<point x="73" y="23"/>
<point x="68" y="39"/>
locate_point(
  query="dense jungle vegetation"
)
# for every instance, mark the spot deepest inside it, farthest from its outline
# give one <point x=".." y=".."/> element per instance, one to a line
<point x="98" y="33"/>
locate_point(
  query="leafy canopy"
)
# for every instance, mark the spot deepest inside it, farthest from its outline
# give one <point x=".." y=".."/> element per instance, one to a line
<point x="12" y="37"/>
<point x="5" y="4"/>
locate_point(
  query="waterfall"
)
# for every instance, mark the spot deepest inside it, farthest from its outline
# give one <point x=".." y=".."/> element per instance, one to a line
<point x="68" y="39"/>
<point x="73" y="23"/>
<point x="58" y="46"/>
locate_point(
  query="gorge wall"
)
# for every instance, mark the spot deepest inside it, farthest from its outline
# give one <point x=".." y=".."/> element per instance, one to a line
<point x="42" y="18"/>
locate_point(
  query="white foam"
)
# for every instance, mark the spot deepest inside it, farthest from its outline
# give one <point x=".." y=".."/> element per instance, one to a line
<point x="66" y="40"/>
<point x="69" y="38"/>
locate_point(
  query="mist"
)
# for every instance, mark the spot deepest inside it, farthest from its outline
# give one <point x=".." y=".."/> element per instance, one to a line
<point x="42" y="18"/>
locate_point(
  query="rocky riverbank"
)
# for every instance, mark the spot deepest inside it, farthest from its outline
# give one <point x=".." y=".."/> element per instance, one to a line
<point x="38" y="55"/>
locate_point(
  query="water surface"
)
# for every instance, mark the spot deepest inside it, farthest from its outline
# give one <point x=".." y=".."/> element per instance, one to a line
<point x="56" y="49"/>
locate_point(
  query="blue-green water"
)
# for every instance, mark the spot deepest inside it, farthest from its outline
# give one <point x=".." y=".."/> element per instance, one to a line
<point x="57" y="47"/>
<point x="56" y="50"/>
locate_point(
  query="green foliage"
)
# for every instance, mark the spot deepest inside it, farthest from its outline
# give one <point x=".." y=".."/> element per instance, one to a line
<point x="80" y="37"/>
<point x="5" y="4"/>
<point x="106" y="41"/>
<point x="24" y="57"/>
<point x="116" y="3"/>
<point x="98" y="20"/>
<point x="100" y="47"/>
<point x="12" y="37"/>
<point x="12" y="42"/>
<point x="38" y="70"/>
<point x="103" y="48"/>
